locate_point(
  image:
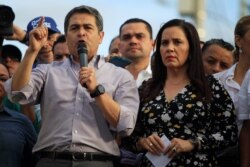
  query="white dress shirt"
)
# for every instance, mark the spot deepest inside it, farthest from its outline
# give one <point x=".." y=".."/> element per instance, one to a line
<point x="144" y="75"/>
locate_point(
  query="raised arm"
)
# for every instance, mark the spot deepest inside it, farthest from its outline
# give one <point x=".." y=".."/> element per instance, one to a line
<point x="37" y="38"/>
<point x="18" y="34"/>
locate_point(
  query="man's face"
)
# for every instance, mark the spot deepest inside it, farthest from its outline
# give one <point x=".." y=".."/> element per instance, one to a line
<point x="61" y="51"/>
<point x="114" y="48"/>
<point x="11" y="64"/>
<point x="4" y="75"/>
<point x="45" y="55"/>
<point x="135" y="41"/>
<point x="216" y="59"/>
<point x="82" y="28"/>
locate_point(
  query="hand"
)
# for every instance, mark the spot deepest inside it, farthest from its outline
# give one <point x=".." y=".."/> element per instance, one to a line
<point x="87" y="77"/>
<point x="152" y="143"/>
<point x="38" y="36"/>
<point x="178" y="146"/>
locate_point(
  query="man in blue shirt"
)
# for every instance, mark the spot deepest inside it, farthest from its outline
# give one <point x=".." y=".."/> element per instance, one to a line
<point x="17" y="134"/>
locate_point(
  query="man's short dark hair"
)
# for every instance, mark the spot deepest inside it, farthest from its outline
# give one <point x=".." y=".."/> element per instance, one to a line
<point x="84" y="9"/>
<point x="12" y="52"/>
<point x="137" y="20"/>
<point x="60" y="39"/>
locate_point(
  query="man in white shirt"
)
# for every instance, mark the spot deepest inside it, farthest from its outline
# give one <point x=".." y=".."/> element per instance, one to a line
<point x="136" y="44"/>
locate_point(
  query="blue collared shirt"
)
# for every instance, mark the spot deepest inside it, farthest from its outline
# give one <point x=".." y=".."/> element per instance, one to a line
<point x="17" y="138"/>
<point x="70" y="117"/>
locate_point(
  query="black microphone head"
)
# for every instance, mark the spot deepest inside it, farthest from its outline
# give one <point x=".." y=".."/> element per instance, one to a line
<point x="82" y="48"/>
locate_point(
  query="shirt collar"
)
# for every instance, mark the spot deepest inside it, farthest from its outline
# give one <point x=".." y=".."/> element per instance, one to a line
<point x="96" y="62"/>
<point x="148" y="69"/>
<point x="230" y="72"/>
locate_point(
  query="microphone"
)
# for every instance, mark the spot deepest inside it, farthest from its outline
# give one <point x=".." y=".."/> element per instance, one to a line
<point x="83" y="54"/>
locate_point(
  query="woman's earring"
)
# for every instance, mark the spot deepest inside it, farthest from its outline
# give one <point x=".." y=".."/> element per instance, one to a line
<point x="240" y="50"/>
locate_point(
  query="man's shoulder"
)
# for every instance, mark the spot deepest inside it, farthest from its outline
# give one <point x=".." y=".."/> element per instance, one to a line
<point x="20" y="122"/>
<point x="117" y="69"/>
<point x="17" y="115"/>
<point x="112" y="73"/>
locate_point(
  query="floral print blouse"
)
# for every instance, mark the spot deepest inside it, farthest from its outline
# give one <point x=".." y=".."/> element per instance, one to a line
<point x="186" y="117"/>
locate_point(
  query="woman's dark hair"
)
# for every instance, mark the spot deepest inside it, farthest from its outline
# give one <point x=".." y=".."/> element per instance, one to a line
<point x="220" y="42"/>
<point x="195" y="71"/>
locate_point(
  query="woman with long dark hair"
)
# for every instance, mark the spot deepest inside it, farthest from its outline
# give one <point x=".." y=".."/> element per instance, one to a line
<point x="192" y="110"/>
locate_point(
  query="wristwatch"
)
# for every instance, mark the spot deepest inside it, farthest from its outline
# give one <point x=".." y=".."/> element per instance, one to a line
<point x="99" y="90"/>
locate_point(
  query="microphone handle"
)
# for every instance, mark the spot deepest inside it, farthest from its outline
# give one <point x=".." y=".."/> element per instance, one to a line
<point x="83" y="60"/>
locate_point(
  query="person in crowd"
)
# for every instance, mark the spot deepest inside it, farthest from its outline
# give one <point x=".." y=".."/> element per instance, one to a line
<point x="244" y="115"/>
<point x="45" y="55"/>
<point x="60" y="49"/>
<point x="232" y="78"/>
<point x="192" y="110"/>
<point x="114" y="46"/>
<point x="136" y="44"/>
<point x="11" y="57"/>
<point x="83" y="108"/>
<point x="17" y="133"/>
<point x="217" y="56"/>
<point x="114" y="56"/>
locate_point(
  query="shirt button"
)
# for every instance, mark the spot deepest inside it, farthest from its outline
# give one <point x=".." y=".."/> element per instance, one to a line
<point x="77" y="114"/>
<point x="75" y="131"/>
<point x="79" y="99"/>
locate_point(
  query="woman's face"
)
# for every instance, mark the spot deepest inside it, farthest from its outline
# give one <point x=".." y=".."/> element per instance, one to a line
<point x="216" y="59"/>
<point x="174" y="48"/>
<point x="244" y="43"/>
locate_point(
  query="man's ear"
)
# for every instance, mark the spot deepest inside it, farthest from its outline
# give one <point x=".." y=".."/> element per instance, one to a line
<point x="101" y="35"/>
